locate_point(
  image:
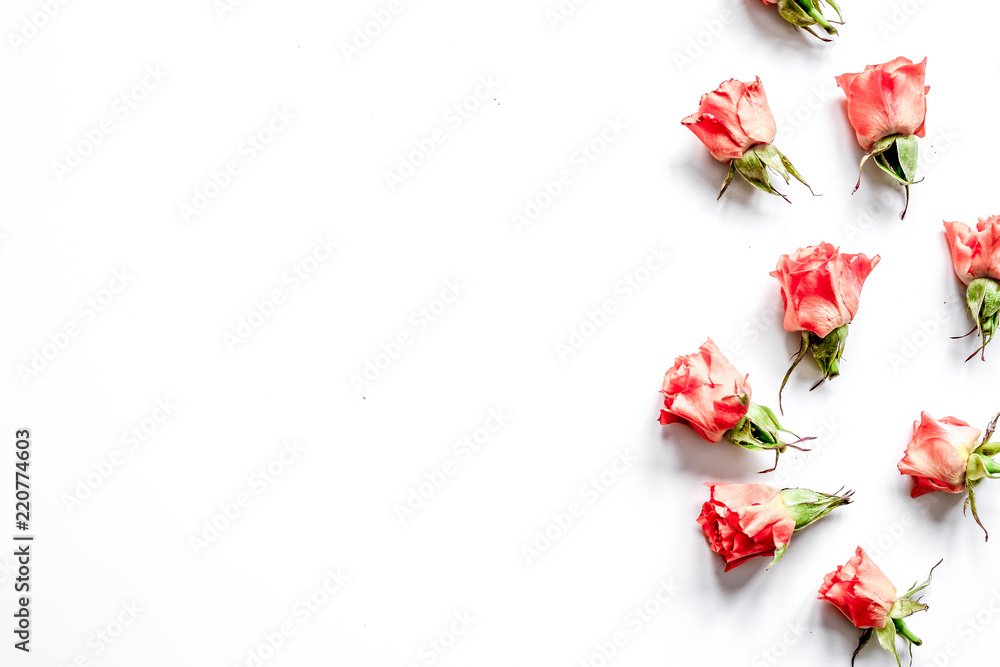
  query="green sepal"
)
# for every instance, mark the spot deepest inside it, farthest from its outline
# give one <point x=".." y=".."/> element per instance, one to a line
<point x="753" y="167"/>
<point x="760" y="430"/>
<point x="981" y="467"/>
<point x="917" y="588"/>
<point x="866" y="637"/>
<point x="729" y="179"/>
<point x="778" y="553"/>
<point x="806" y="13"/>
<point x="826" y="351"/>
<point x="983" y="300"/>
<point x="989" y="449"/>
<point x="896" y="155"/>
<point x="904" y="608"/>
<point x="887" y="638"/>
<point x="807" y="506"/>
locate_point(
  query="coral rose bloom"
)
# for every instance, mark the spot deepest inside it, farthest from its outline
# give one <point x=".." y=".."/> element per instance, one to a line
<point x="938" y="454"/>
<point x="743" y="521"/>
<point x="820" y="287"/>
<point x="733" y="118"/>
<point x="975" y="254"/>
<point x="706" y="392"/>
<point x="861" y="591"/>
<point x="886" y="99"/>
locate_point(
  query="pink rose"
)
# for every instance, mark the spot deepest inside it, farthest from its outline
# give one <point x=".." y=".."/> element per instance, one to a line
<point x="735" y="123"/>
<point x="866" y="596"/>
<point x="861" y="591"/>
<point x="733" y="118"/>
<point x="938" y="454"/>
<point x="706" y="392"/>
<point x="886" y="99"/>
<point x="976" y="258"/>
<point x="820" y="287"/>
<point x="743" y="521"/>
<point x="975" y="254"/>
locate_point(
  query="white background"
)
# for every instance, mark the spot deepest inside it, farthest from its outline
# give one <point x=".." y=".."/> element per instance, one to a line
<point x="129" y="541"/>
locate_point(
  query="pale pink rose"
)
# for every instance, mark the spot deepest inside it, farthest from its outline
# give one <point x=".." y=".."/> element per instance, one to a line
<point x="975" y="254"/>
<point x="938" y="454"/>
<point x="744" y="521"/>
<point x="733" y="118"/>
<point x="886" y="99"/>
<point x="706" y="392"/>
<point x="861" y="591"/>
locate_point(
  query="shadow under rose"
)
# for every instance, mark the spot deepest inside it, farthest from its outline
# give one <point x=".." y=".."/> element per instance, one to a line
<point x="710" y="461"/>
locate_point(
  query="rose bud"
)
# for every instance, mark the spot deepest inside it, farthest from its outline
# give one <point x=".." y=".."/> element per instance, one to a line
<point x="976" y="258"/>
<point x="868" y="598"/>
<point x="706" y="392"/>
<point x="806" y="13"/>
<point x="820" y="290"/>
<point x="887" y="105"/>
<point x="736" y="125"/>
<point x="744" y="521"/>
<point x="947" y="455"/>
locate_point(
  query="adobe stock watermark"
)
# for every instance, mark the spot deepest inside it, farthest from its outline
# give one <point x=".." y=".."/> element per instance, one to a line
<point x="292" y="279"/>
<point x="562" y="521"/>
<point x="302" y="611"/>
<point x="454" y="118"/>
<point x="791" y="634"/>
<point x="31" y="25"/>
<point x="925" y="331"/>
<point x="40" y="358"/>
<point x="623" y="290"/>
<point x="135" y="437"/>
<point x="435" y="647"/>
<point x="462" y="452"/>
<point x="769" y="320"/>
<point x="703" y="40"/>
<point x="580" y="160"/>
<point x="258" y="482"/>
<point x="218" y="180"/>
<point x="108" y="634"/>
<point x="561" y="12"/>
<point x="223" y="8"/>
<point x="975" y="624"/>
<point x="121" y="108"/>
<point x="418" y="323"/>
<point x="819" y="96"/>
<point x="634" y="621"/>
<point x="366" y="33"/>
<point x="900" y="15"/>
<point x="893" y="531"/>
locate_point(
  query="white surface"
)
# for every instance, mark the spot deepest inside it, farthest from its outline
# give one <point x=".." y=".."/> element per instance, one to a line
<point x="494" y="347"/>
